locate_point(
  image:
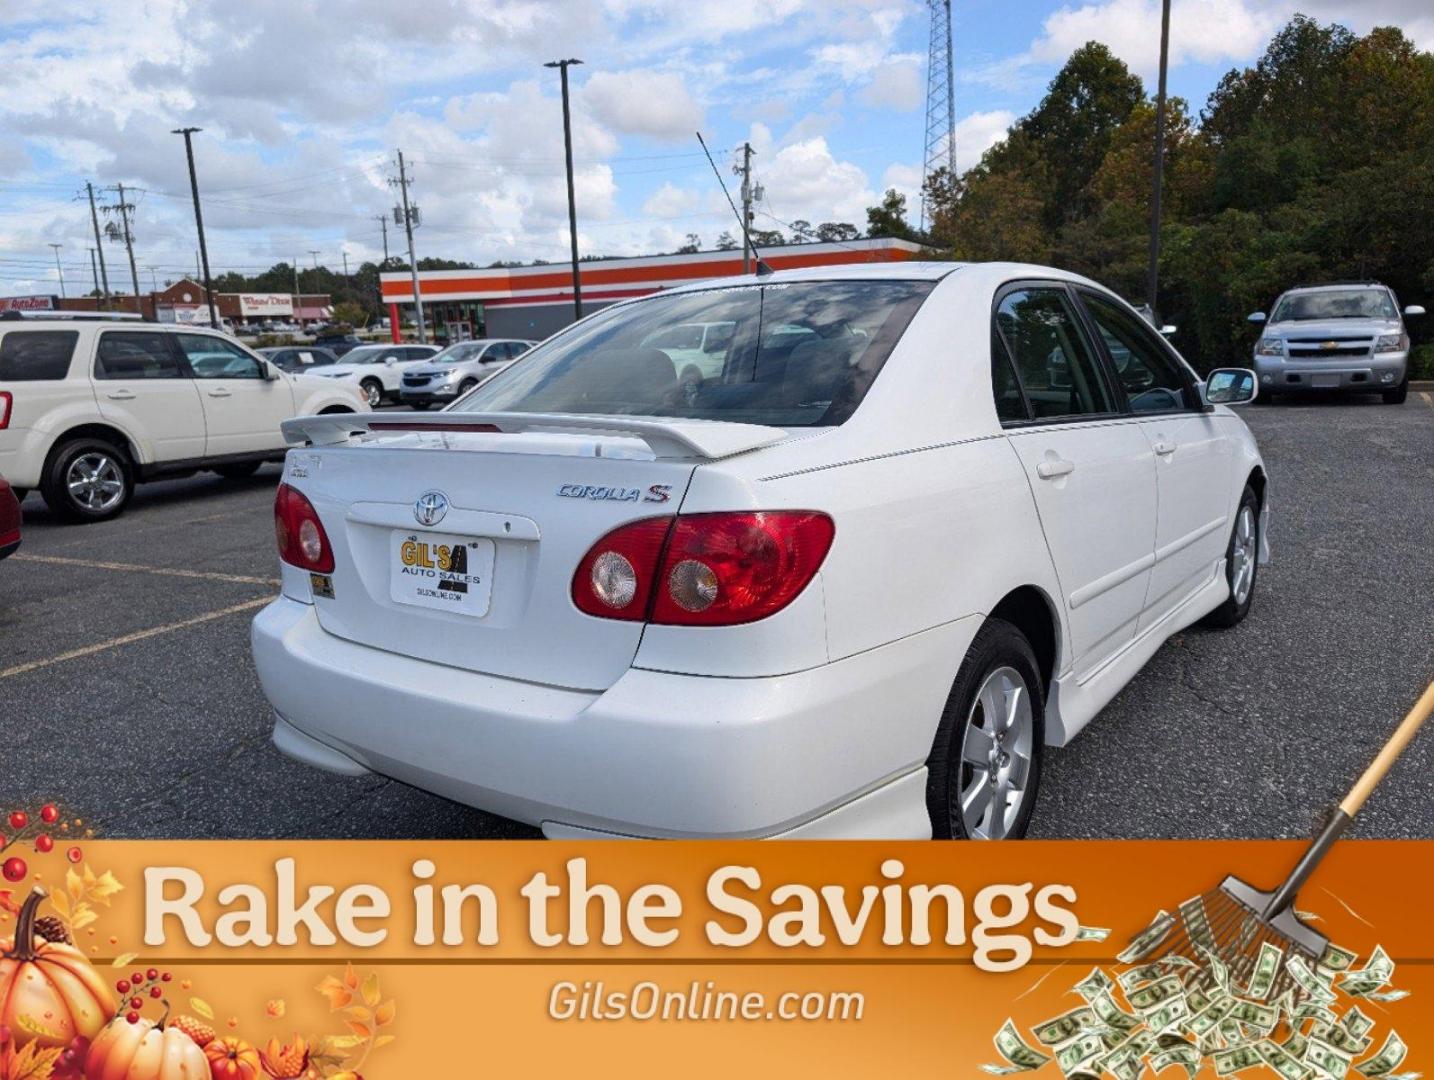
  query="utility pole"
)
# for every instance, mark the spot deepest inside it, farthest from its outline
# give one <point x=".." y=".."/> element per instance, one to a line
<point x="296" y="279"/>
<point x="383" y="224"/>
<point x="94" y="271"/>
<point x="153" y="279"/>
<point x="188" y="132"/>
<point x="126" y="234"/>
<point x="345" y="256"/>
<point x="1153" y="269"/>
<point x="315" y="255"/>
<point x="562" y="66"/>
<point x="746" y="204"/>
<point x="95" y="221"/>
<point x="408" y="214"/>
<point x="59" y="269"/>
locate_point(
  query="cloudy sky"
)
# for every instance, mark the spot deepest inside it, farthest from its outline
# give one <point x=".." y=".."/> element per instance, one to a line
<point x="303" y="104"/>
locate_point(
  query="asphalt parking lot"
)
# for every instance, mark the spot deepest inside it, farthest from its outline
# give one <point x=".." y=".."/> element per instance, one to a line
<point x="127" y="691"/>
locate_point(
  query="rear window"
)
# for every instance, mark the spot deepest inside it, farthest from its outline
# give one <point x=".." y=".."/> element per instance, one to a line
<point x="36" y="355"/>
<point x="798" y="355"/>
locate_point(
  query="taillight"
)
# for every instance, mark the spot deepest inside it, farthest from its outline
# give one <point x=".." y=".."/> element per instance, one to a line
<point x="299" y="532"/>
<point x="7" y="401"/>
<point x="614" y="579"/>
<point x="719" y="569"/>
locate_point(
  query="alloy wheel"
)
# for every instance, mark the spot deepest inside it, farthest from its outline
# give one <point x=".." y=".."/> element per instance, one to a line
<point x="1242" y="555"/>
<point x="95" y="481"/>
<point x="373" y="393"/>
<point x="996" y="753"/>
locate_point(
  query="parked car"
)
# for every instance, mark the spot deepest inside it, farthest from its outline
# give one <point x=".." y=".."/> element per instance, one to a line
<point x="338" y="343"/>
<point x="377" y="369"/>
<point x="450" y="374"/>
<point x="1347" y="336"/>
<point x="90" y="408"/>
<point x="10" y="518"/>
<point x="299" y="357"/>
<point x="852" y="587"/>
<point x="696" y="348"/>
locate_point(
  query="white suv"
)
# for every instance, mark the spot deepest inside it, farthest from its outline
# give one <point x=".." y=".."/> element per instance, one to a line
<point x="89" y="408"/>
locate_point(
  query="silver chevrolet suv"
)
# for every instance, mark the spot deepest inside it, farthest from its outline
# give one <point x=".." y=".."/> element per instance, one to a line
<point x="1347" y="336"/>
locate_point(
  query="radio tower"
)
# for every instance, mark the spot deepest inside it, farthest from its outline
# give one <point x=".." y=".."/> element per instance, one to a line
<point x="940" y="101"/>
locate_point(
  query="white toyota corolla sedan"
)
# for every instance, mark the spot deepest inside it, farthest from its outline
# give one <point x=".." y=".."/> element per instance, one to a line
<point x="922" y="521"/>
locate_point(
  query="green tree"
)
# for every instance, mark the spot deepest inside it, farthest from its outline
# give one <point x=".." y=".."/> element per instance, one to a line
<point x="889" y="218"/>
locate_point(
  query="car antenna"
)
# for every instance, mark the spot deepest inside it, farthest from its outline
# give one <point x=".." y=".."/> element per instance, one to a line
<point x="762" y="268"/>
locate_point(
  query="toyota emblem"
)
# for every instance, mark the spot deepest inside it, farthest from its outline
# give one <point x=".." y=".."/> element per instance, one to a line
<point x="430" y="507"/>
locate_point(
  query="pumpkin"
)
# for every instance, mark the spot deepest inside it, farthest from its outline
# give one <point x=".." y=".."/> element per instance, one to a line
<point x="144" y="1050"/>
<point x="233" y="1059"/>
<point x="49" y="994"/>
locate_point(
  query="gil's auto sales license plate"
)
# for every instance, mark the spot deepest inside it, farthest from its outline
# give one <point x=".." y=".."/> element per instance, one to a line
<point x="436" y="570"/>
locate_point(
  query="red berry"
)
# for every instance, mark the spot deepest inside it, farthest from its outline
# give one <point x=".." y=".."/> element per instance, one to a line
<point x="122" y="986"/>
<point x="14" y="869"/>
<point x="132" y="1017"/>
<point x="74" y="854"/>
<point x="155" y="991"/>
<point x="43" y="844"/>
<point x="136" y="1003"/>
<point x="166" y="977"/>
<point x="152" y="974"/>
<point x="19" y="819"/>
<point x="137" y="978"/>
<point x="49" y="813"/>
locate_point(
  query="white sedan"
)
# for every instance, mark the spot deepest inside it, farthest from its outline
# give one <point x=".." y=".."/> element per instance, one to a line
<point x="918" y="527"/>
<point x="377" y="369"/>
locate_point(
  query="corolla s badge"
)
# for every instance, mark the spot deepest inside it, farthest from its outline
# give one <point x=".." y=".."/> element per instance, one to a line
<point x="430" y="507"/>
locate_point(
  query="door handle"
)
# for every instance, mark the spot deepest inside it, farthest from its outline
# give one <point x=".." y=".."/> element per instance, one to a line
<point x="1164" y="449"/>
<point x="121" y="395"/>
<point x="1052" y="468"/>
<point x="218" y="391"/>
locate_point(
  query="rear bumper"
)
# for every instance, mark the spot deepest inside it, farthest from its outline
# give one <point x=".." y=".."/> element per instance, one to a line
<point x="1358" y="375"/>
<point x="835" y="751"/>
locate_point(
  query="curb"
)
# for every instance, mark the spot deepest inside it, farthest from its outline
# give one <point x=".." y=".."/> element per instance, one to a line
<point x="1421" y="384"/>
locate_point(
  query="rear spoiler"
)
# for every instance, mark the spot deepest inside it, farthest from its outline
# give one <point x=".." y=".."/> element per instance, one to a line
<point x="665" y="438"/>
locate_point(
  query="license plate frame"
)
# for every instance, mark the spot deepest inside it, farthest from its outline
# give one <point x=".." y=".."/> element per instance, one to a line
<point x="442" y="571"/>
<point x="1325" y="381"/>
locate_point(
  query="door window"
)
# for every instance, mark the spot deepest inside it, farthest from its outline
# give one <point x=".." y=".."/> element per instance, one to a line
<point x="136" y="355"/>
<point x="1010" y="405"/>
<point x="36" y="355"/>
<point x="215" y="358"/>
<point x="1056" y="364"/>
<point x="1150" y="377"/>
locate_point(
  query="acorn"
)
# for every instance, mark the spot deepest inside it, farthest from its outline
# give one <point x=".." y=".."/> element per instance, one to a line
<point x="52" y="929"/>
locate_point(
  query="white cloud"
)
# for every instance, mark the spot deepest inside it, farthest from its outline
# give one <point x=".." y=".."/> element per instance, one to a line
<point x="654" y="103"/>
<point x="805" y="180"/>
<point x="899" y="84"/>
<point x="978" y="132"/>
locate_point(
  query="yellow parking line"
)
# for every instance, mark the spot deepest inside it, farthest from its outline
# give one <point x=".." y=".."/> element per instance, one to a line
<point x="163" y="571"/>
<point x="138" y="635"/>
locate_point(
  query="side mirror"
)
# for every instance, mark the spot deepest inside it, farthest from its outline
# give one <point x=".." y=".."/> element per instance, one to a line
<point x="1230" y="386"/>
<point x="390" y="360"/>
<point x="1167" y="330"/>
<point x="1256" y="317"/>
<point x="1414" y="309"/>
<point x="271" y="372"/>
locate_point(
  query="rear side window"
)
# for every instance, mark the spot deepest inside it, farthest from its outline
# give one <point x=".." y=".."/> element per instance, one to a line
<point x="1150" y="378"/>
<point x="1010" y="405"/>
<point x="131" y="355"/>
<point x="36" y="355"/>
<point x="1056" y="364"/>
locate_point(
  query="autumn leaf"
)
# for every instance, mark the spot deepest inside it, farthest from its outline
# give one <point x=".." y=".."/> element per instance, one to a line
<point x="384" y="1014"/>
<point x="74" y="885"/>
<point x="123" y="960"/>
<point x="363" y="1031"/>
<point x="7" y="902"/>
<point x="103" y="888"/>
<point x="371" y="994"/>
<point x="202" y="1007"/>
<point x="84" y="915"/>
<point x="351" y="979"/>
<point x="359" y="1013"/>
<point x="61" y="903"/>
<point x="338" y="1042"/>
<point x="338" y="994"/>
<point x="276" y="1008"/>
<point x="33" y="1063"/>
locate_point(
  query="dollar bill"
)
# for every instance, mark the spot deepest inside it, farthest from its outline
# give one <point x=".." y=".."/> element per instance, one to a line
<point x="1235" y="1059"/>
<point x="1168" y="1015"/>
<point x="1313" y="1010"/>
<point x="1355" y="1022"/>
<point x="1199" y="1000"/>
<point x="1267" y="966"/>
<point x="1071" y="1057"/>
<point x="1153" y="995"/>
<point x="1149" y="939"/>
<point x="1144" y="973"/>
<point x="1282" y="1061"/>
<point x="1262" y="1017"/>
<point x="1092" y="933"/>
<point x="1217" y="969"/>
<point x="1336" y="959"/>
<point x="1308" y="981"/>
<point x="1328" y="1059"/>
<point x="1296" y="1044"/>
<point x="1208" y="1019"/>
<point x="1094" y="984"/>
<point x="1112" y="1015"/>
<point x="1014" y="1049"/>
<point x="1391" y="1055"/>
<point x="1065" y="1027"/>
<point x="1387" y="995"/>
<point x="1186" y="1055"/>
<point x="1375" y="974"/>
<point x="1197" y="923"/>
<point x="1340" y="1037"/>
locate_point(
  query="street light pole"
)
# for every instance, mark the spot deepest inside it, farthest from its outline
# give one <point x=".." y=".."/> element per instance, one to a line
<point x="562" y="66"/>
<point x="1152" y="272"/>
<point x="59" y="269"/>
<point x="199" y="220"/>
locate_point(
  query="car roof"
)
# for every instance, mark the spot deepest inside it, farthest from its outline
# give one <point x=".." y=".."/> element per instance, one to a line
<point x="979" y="273"/>
<point x="1326" y="286"/>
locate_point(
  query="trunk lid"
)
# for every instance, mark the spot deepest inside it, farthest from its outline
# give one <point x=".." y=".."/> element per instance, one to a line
<point x="523" y="505"/>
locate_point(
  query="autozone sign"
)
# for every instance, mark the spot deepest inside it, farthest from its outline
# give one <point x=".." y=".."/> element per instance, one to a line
<point x="27" y="303"/>
<point x="265" y="304"/>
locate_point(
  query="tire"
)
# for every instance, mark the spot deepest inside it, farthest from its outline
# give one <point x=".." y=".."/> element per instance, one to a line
<point x="466" y="385"/>
<point x="103" y="475"/>
<point x="999" y="662"/>
<point x="373" y="391"/>
<point x="1240" y="554"/>
<point x="1264" y="399"/>
<point x="1397" y="396"/>
<point x="239" y="470"/>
